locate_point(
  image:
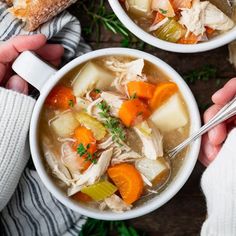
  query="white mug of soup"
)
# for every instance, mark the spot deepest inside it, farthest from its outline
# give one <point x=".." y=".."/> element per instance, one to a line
<point x="52" y="130"/>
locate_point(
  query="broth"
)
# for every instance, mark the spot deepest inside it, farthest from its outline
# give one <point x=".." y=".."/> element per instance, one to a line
<point x="55" y="144"/>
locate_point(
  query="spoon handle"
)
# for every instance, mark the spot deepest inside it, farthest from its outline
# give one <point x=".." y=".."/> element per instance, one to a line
<point x="225" y="113"/>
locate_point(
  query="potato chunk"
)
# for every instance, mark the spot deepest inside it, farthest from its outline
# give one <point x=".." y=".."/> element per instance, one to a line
<point x="65" y="124"/>
<point x="171" y="115"/>
<point x="91" y="76"/>
<point x="139" y="6"/>
<point x="153" y="170"/>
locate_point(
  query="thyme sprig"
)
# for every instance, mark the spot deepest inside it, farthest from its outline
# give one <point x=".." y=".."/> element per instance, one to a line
<point x="99" y="15"/>
<point x="204" y="73"/>
<point x="83" y="151"/>
<point x="111" y="123"/>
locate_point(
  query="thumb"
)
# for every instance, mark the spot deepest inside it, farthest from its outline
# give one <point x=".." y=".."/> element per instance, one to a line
<point x="16" y="83"/>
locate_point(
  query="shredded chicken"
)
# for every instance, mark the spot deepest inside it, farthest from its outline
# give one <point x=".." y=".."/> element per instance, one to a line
<point x="114" y="100"/>
<point x="203" y="14"/>
<point x="158" y="25"/>
<point x="126" y="72"/>
<point x="152" y="142"/>
<point x="55" y="164"/>
<point x="93" y="173"/>
<point x="93" y="110"/>
<point x="116" y="204"/>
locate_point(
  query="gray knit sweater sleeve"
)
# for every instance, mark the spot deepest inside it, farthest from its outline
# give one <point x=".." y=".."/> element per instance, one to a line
<point x="15" y="114"/>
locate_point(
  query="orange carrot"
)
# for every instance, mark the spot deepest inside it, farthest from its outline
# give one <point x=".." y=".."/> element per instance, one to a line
<point x="85" y="137"/>
<point x="133" y="111"/>
<point x="164" y="90"/>
<point x="141" y="89"/>
<point x="190" y="39"/>
<point x="128" y="181"/>
<point x="158" y="18"/>
<point x="177" y="4"/>
<point x="82" y="197"/>
<point x="61" y="97"/>
<point x="209" y="31"/>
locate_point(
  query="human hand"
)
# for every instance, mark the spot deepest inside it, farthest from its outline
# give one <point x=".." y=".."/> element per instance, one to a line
<point x="11" y="49"/>
<point x="213" y="140"/>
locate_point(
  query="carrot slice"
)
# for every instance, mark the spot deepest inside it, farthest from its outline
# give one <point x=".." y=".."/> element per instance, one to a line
<point x="133" y="111"/>
<point x="141" y="89"/>
<point x="128" y="181"/>
<point x="190" y="39"/>
<point x="85" y="137"/>
<point x="177" y="4"/>
<point x="82" y="197"/>
<point x="158" y="18"/>
<point x="209" y="31"/>
<point x="163" y="91"/>
<point x="61" y="97"/>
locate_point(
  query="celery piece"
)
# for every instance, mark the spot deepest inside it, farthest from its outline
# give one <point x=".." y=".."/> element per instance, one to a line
<point x="97" y="128"/>
<point x="100" y="190"/>
<point x="171" y="31"/>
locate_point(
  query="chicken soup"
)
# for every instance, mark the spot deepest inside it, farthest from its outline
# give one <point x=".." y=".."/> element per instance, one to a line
<point x="105" y="129"/>
<point x="179" y="21"/>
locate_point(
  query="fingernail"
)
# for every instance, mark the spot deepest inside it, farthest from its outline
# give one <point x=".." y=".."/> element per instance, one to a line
<point x="16" y="85"/>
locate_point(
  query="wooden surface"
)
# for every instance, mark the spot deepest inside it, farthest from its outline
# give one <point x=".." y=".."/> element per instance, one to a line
<point x="185" y="213"/>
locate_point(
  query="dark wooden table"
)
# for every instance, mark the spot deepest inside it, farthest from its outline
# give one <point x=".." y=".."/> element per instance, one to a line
<point x="185" y="213"/>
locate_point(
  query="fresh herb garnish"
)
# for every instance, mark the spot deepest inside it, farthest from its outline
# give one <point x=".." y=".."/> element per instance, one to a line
<point x="111" y="123"/>
<point x="163" y="11"/>
<point x="71" y="103"/>
<point x="82" y="151"/>
<point x="133" y="96"/>
<point x="97" y="91"/>
<point x="99" y="17"/>
<point x="202" y="74"/>
<point x="104" y="228"/>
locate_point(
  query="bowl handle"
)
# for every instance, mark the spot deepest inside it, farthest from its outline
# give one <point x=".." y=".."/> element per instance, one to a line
<point x="33" y="69"/>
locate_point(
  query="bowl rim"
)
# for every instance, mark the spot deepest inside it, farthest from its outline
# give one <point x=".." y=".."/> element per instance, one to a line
<point x="216" y="42"/>
<point x="174" y="186"/>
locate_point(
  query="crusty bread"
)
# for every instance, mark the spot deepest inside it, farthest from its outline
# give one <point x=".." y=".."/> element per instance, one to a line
<point x="36" y="12"/>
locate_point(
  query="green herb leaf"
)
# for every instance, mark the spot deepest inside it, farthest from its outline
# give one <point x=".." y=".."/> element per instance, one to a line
<point x="202" y="74"/>
<point x="133" y="96"/>
<point x="163" y="11"/>
<point x="82" y="151"/>
<point x="113" y="124"/>
<point x="71" y="103"/>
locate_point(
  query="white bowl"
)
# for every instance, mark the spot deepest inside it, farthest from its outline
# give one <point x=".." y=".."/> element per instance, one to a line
<point x="213" y="43"/>
<point x="26" y="60"/>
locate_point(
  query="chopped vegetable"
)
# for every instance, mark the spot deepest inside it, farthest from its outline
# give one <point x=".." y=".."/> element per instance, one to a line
<point x="85" y="142"/>
<point x="153" y="169"/>
<point x="133" y="111"/>
<point x="158" y="18"/>
<point x="171" y="31"/>
<point x="171" y="115"/>
<point x="164" y="90"/>
<point x="92" y="124"/>
<point x="178" y="4"/>
<point x="65" y="124"/>
<point x="99" y="191"/>
<point x="128" y="181"/>
<point x="95" y="94"/>
<point x="111" y="123"/>
<point x="91" y="76"/>
<point x="61" y="97"/>
<point x="190" y="39"/>
<point x="140" y="7"/>
<point x="209" y="31"/>
<point x="164" y="7"/>
<point x="82" y="197"/>
<point x="141" y="89"/>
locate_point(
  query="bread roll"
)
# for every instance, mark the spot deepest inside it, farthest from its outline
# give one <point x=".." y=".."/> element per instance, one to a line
<point x="36" y="12"/>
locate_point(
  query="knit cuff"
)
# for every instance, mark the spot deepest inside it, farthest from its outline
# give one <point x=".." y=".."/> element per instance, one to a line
<point x="219" y="186"/>
<point x="15" y="115"/>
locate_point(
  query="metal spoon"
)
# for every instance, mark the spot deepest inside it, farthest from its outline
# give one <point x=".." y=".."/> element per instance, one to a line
<point x="225" y="113"/>
<point x="224" y="5"/>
